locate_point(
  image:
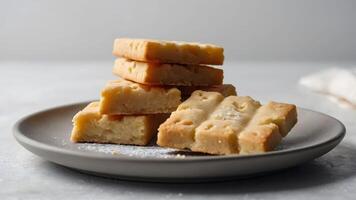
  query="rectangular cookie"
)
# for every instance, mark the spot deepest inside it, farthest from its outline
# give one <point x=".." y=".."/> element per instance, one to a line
<point x="168" y="74"/>
<point x="269" y="120"/>
<point x="90" y="126"/>
<point x="157" y="51"/>
<point x="178" y="131"/>
<point x="122" y="97"/>
<point x="207" y="122"/>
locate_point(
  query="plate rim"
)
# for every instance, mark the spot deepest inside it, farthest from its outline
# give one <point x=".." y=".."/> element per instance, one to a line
<point x="25" y="140"/>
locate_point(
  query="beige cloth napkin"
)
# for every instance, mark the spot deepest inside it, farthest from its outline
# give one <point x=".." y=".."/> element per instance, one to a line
<point x="339" y="84"/>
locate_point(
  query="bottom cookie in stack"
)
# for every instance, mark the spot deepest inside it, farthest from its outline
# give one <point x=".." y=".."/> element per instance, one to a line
<point x="91" y="126"/>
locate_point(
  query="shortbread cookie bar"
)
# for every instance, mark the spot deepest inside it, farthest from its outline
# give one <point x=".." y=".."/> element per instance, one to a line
<point x="270" y="123"/>
<point x="225" y="89"/>
<point x="208" y="122"/>
<point x="168" y="74"/>
<point x="179" y="129"/>
<point x="168" y="51"/>
<point x="91" y="126"/>
<point x="122" y="97"/>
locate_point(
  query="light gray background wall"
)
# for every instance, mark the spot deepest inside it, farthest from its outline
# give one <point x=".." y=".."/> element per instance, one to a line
<point x="249" y="30"/>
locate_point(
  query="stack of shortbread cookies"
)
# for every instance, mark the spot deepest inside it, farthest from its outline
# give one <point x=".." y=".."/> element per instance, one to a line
<point x="156" y="77"/>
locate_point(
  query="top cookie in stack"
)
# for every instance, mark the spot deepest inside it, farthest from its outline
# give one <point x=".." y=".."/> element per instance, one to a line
<point x="155" y="51"/>
<point x="155" y="62"/>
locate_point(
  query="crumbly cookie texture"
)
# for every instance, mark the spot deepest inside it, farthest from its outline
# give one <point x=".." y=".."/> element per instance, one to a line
<point x="225" y="89"/>
<point x="207" y="122"/>
<point x="168" y="74"/>
<point x="159" y="51"/>
<point x="122" y="97"/>
<point x="91" y="126"/>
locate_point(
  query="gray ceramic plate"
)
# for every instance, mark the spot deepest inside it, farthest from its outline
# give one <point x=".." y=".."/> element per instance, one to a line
<point x="46" y="134"/>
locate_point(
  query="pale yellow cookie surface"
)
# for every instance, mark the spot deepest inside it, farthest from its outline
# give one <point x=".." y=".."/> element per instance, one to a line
<point x="91" y="126"/>
<point x="121" y="97"/>
<point x="168" y="74"/>
<point x="159" y="51"/>
<point x="179" y="129"/>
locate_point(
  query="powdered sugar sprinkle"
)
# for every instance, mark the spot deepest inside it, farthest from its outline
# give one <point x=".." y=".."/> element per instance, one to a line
<point x="132" y="151"/>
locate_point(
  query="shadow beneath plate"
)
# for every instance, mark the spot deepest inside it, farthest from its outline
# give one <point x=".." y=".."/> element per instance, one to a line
<point x="337" y="165"/>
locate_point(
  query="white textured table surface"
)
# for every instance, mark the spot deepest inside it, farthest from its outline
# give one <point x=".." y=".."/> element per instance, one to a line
<point x="28" y="87"/>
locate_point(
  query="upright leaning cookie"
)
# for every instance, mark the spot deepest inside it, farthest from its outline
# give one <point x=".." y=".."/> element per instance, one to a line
<point x="168" y="51"/>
